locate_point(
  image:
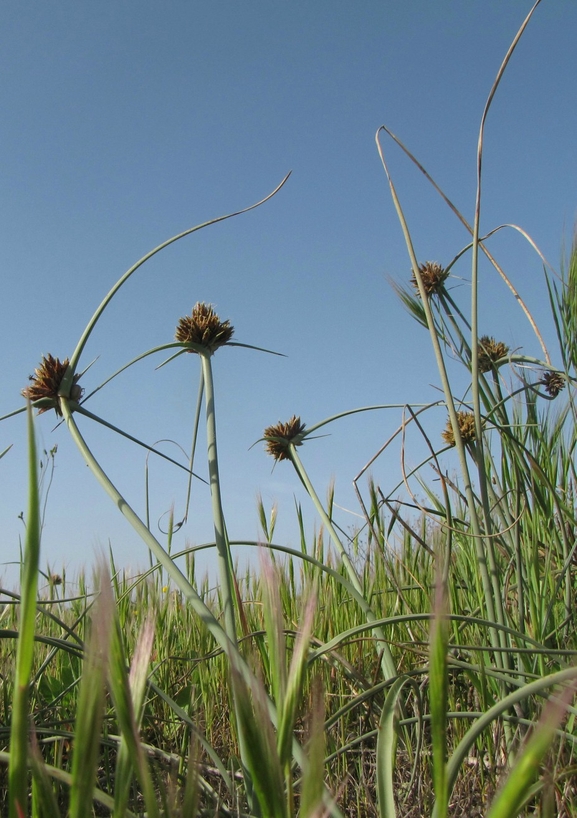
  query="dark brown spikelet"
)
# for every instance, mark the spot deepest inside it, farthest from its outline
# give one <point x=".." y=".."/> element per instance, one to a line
<point x="433" y="275"/>
<point x="204" y="328"/>
<point x="466" y="422"/>
<point x="280" y="435"/>
<point x="46" y="381"/>
<point x="553" y="382"/>
<point x="489" y="351"/>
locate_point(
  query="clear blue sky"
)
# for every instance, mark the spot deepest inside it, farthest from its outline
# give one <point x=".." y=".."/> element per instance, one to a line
<point x="125" y="123"/>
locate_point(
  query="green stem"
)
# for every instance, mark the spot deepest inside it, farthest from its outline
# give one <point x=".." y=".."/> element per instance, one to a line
<point x="225" y="567"/>
<point x="181" y="582"/>
<point x="145" y="534"/>
<point x="488" y="545"/>
<point x="18" y="774"/>
<point x="388" y="664"/>
<point x="480" y="550"/>
<point x="193" y="445"/>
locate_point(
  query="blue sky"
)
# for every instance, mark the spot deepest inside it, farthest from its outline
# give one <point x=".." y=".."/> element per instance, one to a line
<point x="126" y="123"/>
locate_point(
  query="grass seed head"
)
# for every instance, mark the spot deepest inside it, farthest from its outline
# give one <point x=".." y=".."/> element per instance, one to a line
<point x="489" y="351"/>
<point x="279" y="436"/>
<point x="466" y="421"/>
<point x="45" y="384"/>
<point x="553" y="382"/>
<point x="433" y="275"/>
<point x="204" y="328"/>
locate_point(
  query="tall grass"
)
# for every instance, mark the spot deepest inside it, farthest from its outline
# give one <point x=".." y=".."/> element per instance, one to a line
<point x="421" y="666"/>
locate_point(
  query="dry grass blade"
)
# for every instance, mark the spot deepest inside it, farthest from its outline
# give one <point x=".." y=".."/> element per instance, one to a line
<point x="91" y="709"/>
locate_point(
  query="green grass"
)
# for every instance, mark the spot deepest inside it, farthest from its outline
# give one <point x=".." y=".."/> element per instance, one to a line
<point x="190" y="671"/>
<point x="422" y="666"/>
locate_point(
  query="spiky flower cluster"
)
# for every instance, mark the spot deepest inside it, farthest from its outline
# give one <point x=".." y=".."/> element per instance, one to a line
<point x="489" y="351"/>
<point x="45" y="384"/>
<point x="204" y="328"/>
<point x="433" y="275"/>
<point x="279" y="436"/>
<point x="553" y="382"/>
<point x="466" y="421"/>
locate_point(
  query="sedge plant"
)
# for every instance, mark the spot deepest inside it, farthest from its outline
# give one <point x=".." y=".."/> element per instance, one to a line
<point x="414" y="698"/>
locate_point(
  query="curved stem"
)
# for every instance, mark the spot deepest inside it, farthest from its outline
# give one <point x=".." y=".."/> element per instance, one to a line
<point x="146" y="535"/>
<point x="479" y="443"/>
<point x="387" y="662"/>
<point x="450" y="403"/>
<point x="69" y="374"/>
<point x="207" y="617"/>
<point x="533" y="688"/>
<point x="466" y="224"/>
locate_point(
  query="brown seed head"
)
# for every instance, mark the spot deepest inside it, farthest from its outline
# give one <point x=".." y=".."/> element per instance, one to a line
<point x="466" y="421"/>
<point x="204" y="328"/>
<point x="433" y="275"/>
<point x="45" y="384"/>
<point x="280" y="435"/>
<point x="489" y="351"/>
<point x="553" y="383"/>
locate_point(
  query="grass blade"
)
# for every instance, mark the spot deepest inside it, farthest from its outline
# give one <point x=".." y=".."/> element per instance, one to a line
<point x="90" y="712"/>
<point x="386" y="744"/>
<point x="18" y="774"/>
<point x="512" y="797"/>
<point x="438" y="690"/>
<point x="312" y="789"/>
<point x="260" y="756"/>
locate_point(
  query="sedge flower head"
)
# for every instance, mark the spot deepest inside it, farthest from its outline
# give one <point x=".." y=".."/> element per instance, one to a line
<point x="433" y="276"/>
<point x="281" y="435"/>
<point x="203" y="327"/>
<point x="45" y="384"/>
<point x="466" y="422"/>
<point x="489" y="351"/>
<point x="553" y="382"/>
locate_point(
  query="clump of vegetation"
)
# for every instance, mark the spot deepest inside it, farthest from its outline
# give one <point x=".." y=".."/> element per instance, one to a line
<point x="422" y="666"/>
